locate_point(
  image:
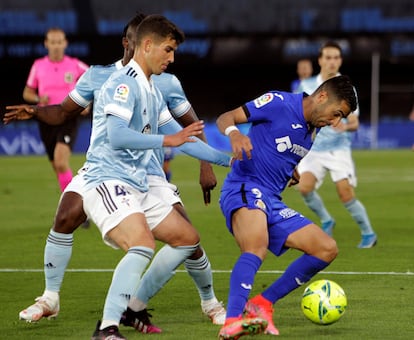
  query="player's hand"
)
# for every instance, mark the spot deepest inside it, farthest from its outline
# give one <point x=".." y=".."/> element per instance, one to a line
<point x="295" y="178"/>
<point x="240" y="144"/>
<point x="185" y="135"/>
<point x="18" y="112"/>
<point x="208" y="180"/>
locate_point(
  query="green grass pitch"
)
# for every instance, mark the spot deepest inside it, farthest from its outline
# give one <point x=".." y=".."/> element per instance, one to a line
<point x="379" y="282"/>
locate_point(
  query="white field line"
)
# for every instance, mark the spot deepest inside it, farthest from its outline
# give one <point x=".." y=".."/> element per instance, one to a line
<point x="97" y="270"/>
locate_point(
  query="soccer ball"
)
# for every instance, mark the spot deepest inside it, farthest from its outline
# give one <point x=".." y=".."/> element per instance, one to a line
<point x="323" y="302"/>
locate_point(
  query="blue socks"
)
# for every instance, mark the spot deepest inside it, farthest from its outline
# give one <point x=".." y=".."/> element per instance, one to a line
<point x="298" y="273"/>
<point x="241" y="282"/>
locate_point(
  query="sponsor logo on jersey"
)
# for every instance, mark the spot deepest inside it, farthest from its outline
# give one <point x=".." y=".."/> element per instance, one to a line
<point x="147" y="129"/>
<point x="296" y="126"/>
<point x="263" y="100"/>
<point x="284" y="143"/>
<point x="121" y="93"/>
<point x="288" y="212"/>
<point x="279" y="96"/>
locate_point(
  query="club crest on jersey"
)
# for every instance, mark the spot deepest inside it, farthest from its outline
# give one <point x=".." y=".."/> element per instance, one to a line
<point x="69" y="77"/>
<point x="263" y="100"/>
<point x="121" y="93"/>
<point x="260" y="204"/>
<point x="146" y="129"/>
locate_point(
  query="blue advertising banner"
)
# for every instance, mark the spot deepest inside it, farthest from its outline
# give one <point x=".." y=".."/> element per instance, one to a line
<point x="23" y="138"/>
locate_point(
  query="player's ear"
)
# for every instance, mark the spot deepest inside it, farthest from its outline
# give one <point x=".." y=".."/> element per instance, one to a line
<point x="124" y="42"/>
<point x="322" y="96"/>
<point x="147" y="45"/>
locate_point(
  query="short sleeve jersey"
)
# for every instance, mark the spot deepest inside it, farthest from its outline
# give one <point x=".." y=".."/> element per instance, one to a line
<point x="327" y="137"/>
<point x="280" y="137"/>
<point x="173" y="93"/>
<point x="90" y="83"/>
<point x="55" y="79"/>
<point x="128" y="95"/>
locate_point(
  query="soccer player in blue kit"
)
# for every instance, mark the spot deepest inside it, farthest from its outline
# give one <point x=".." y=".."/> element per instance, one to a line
<point x="282" y="125"/>
<point x="70" y="211"/>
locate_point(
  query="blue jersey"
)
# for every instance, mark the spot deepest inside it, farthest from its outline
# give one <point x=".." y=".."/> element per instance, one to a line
<point x="280" y="137"/>
<point x="128" y="95"/>
<point x="327" y="137"/>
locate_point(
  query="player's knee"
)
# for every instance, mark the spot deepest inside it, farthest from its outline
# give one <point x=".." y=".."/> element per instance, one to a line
<point x="66" y="221"/>
<point x="198" y="253"/>
<point x="126" y="242"/>
<point x="304" y="188"/>
<point x="190" y="238"/>
<point x="330" y="250"/>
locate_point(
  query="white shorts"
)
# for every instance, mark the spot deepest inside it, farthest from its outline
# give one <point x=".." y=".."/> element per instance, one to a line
<point x="112" y="201"/>
<point x="77" y="184"/>
<point x="339" y="163"/>
<point x="163" y="189"/>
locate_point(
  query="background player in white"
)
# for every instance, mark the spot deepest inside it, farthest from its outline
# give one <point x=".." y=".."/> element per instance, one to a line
<point x="70" y="211"/>
<point x="251" y="197"/>
<point x="331" y="152"/>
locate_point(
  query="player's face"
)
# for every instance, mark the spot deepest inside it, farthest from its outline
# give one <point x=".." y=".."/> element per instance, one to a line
<point x="329" y="112"/>
<point x="161" y="54"/>
<point x="330" y="61"/>
<point x="56" y="44"/>
<point x="304" y="69"/>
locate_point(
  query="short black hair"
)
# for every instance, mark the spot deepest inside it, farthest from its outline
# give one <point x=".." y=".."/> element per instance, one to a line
<point x="134" y="22"/>
<point x="341" y="88"/>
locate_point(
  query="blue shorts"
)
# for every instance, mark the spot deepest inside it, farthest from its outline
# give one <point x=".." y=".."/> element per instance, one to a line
<point x="281" y="220"/>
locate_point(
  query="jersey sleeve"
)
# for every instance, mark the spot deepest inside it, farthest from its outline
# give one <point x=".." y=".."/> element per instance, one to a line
<point x="119" y="95"/>
<point x="263" y="108"/>
<point x="173" y="94"/>
<point x="83" y="93"/>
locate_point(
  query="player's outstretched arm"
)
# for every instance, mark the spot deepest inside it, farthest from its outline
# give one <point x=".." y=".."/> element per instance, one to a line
<point x="50" y="114"/>
<point x="18" y="112"/>
<point x="198" y="149"/>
